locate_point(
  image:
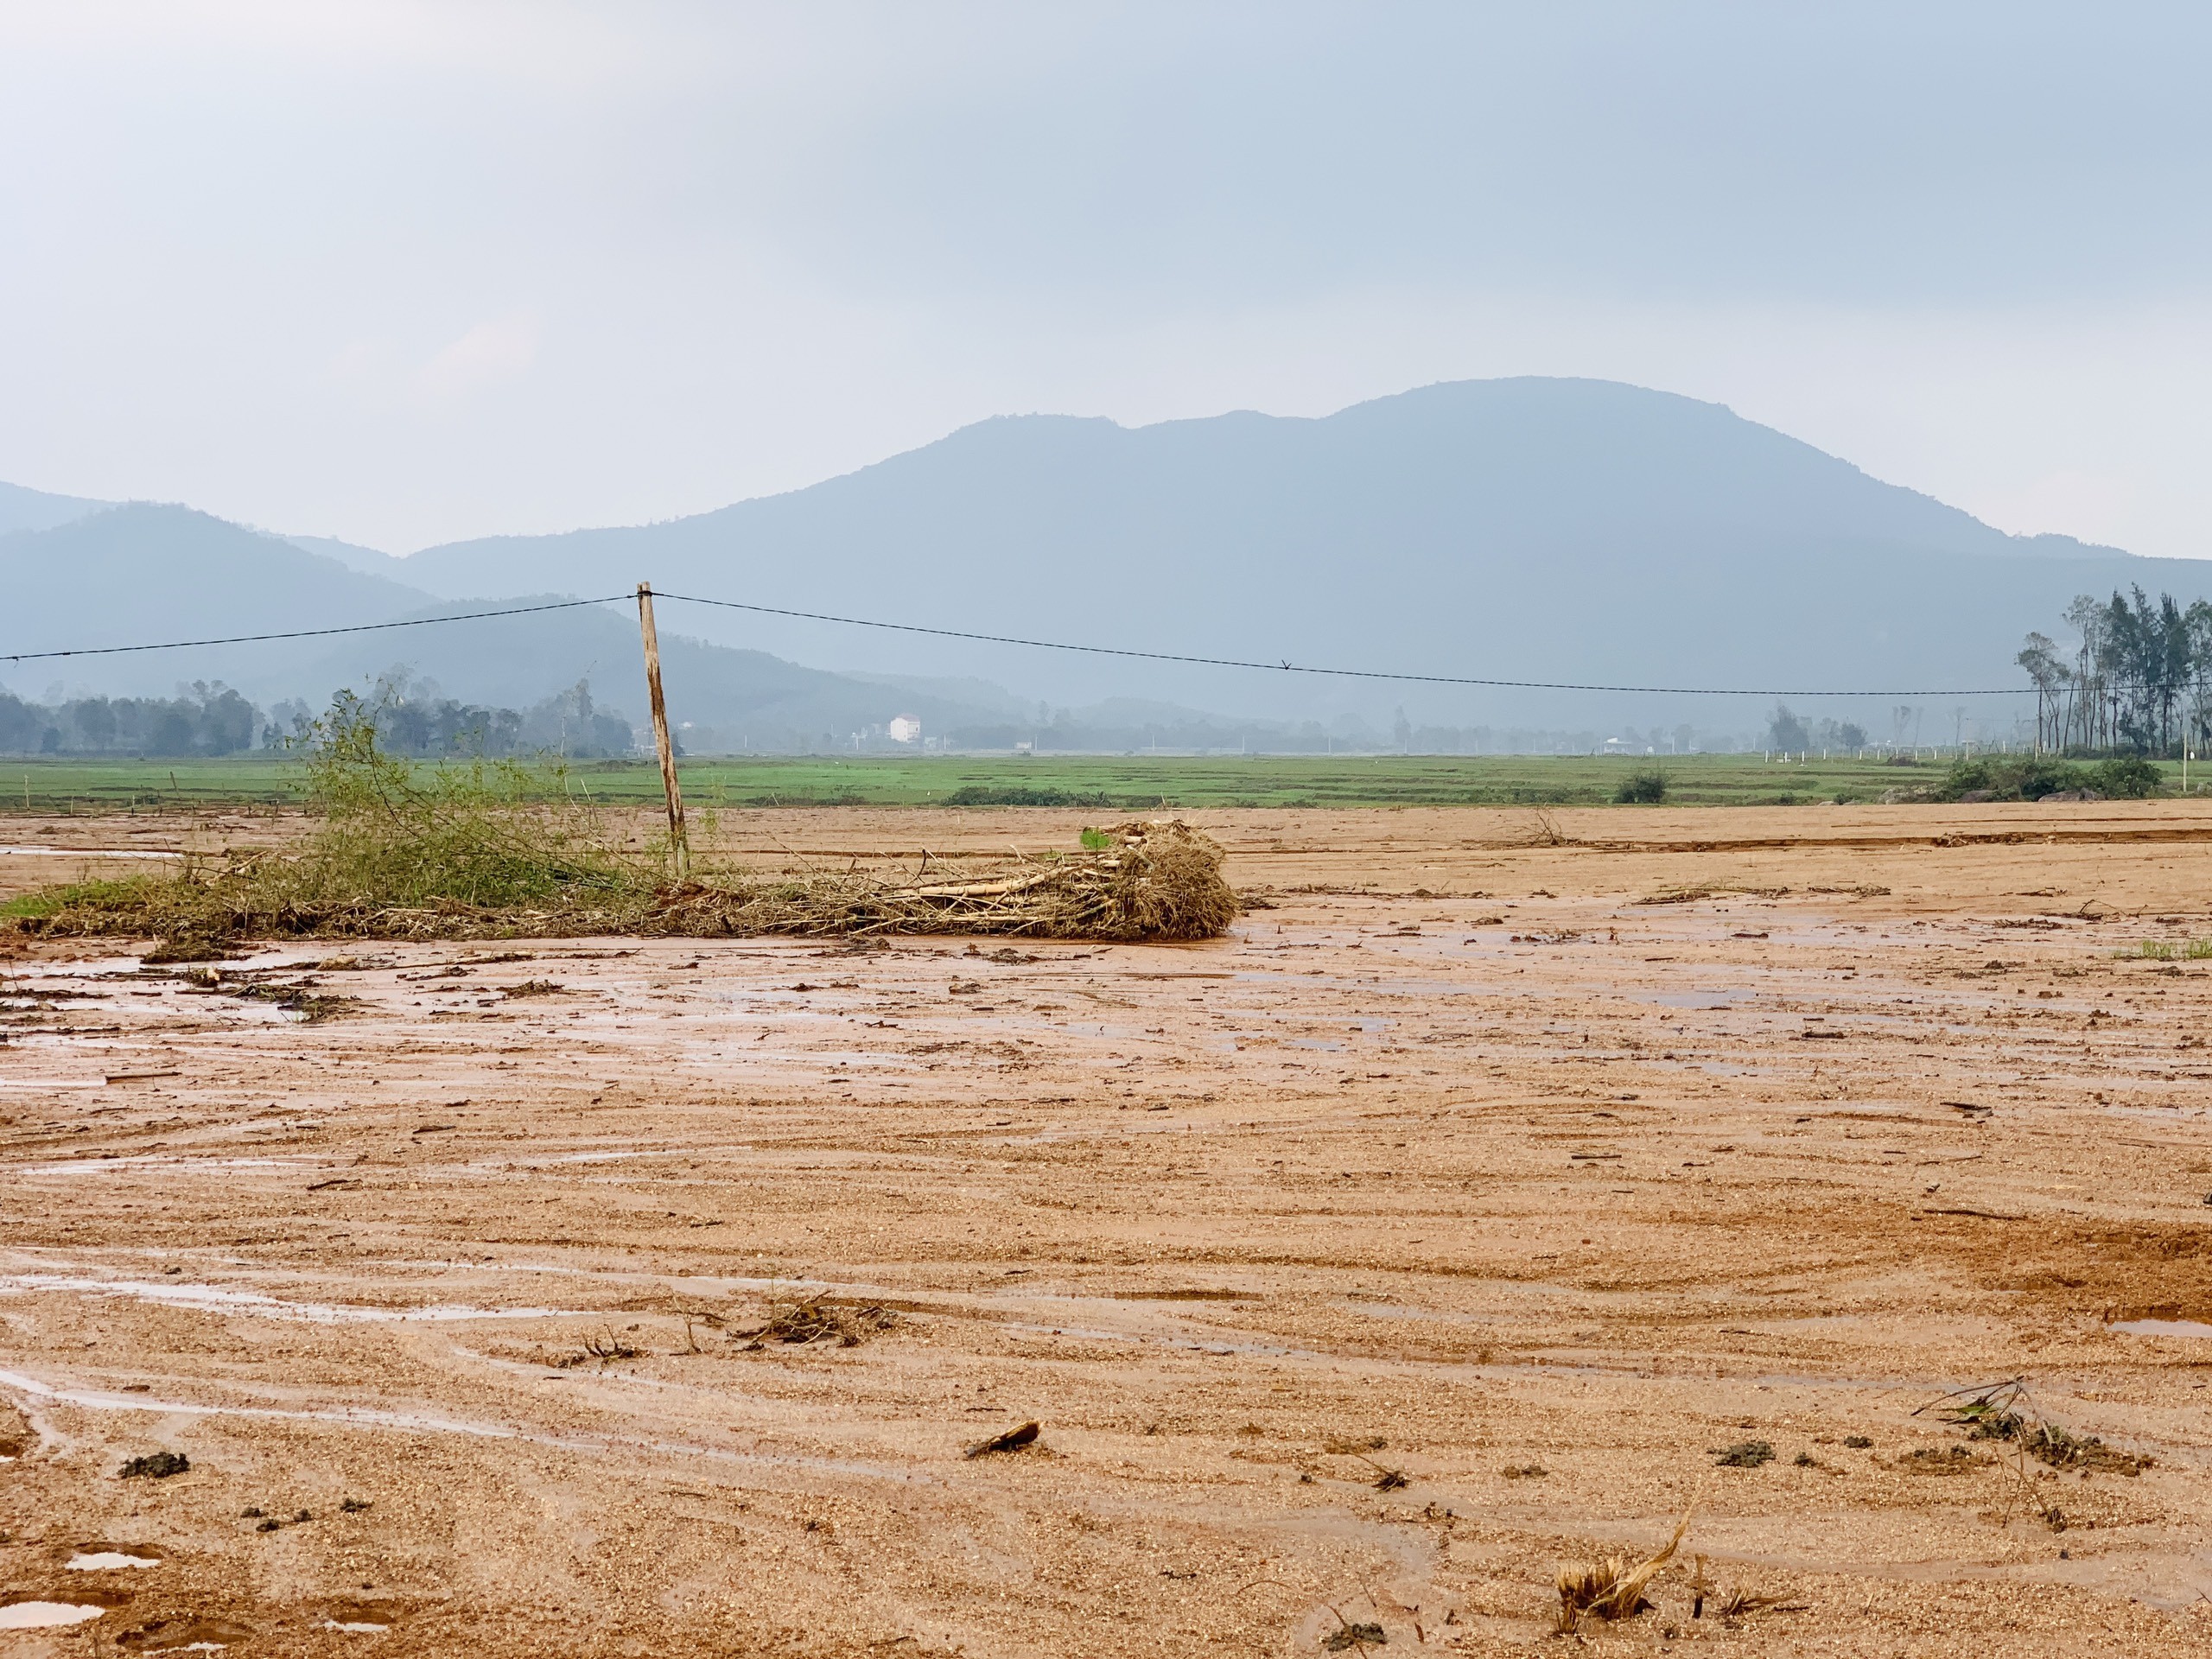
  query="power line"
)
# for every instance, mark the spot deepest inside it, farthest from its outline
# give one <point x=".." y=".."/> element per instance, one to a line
<point x="1282" y="667"/>
<point x="305" y="633"/>
<point x="1339" y="673"/>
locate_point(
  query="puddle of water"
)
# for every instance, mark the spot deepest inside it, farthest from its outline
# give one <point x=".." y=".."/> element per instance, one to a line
<point x="173" y="1166"/>
<point x="213" y="1299"/>
<point x="45" y="1615"/>
<point x="108" y="1561"/>
<point x="2162" y="1328"/>
<point x="355" y="1626"/>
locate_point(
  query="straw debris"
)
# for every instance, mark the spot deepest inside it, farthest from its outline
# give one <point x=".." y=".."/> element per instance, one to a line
<point x="1159" y="880"/>
<point x="817" y="1320"/>
<point x="1611" y="1589"/>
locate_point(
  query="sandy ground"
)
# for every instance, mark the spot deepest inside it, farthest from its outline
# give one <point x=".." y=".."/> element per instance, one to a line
<point x="1434" y="1232"/>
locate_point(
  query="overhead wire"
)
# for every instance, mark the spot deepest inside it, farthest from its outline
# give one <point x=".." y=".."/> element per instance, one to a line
<point x="1284" y="666"/>
<point x="303" y="633"/>
<point x="1287" y="667"/>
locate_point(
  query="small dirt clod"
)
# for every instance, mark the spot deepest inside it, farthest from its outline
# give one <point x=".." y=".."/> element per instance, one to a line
<point x="156" y="1465"/>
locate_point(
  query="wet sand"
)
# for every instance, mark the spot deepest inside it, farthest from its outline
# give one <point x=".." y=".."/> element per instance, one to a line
<point x="1433" y="1232"/>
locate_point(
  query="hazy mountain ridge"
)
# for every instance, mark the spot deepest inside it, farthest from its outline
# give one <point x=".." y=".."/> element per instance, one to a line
<point x="140" y="574"/>
<point x="27" y="509"/>
<point x="1511" y="530"/>
<point x="1532" y="529"/>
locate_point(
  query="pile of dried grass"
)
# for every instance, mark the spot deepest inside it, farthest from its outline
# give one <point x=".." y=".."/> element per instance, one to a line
<point x="818" y="1320"/>
<point x="1138" y="880"/>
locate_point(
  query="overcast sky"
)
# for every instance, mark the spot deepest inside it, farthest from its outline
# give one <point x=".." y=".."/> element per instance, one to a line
<point x="403" y="273"/>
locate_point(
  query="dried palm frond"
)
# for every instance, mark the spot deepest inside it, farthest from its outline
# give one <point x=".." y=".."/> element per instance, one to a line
<point x="1612" y="1589"/>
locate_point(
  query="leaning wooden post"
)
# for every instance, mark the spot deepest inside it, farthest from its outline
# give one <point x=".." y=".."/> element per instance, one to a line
<point x="679" y="848"/>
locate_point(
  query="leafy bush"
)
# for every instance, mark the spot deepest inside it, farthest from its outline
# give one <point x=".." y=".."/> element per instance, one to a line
<point x="1642" y="789"/>
<point x="1969" y="778"/>
<point x="2127" y="776"/>
<point x="2030" y="777"/>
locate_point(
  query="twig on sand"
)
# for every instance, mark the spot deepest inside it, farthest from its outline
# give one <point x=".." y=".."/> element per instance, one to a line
<point x="1013" y="1440"/>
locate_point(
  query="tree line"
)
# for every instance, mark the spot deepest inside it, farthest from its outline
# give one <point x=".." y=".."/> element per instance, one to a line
<point x="413" y="717"/>
<point x="2137" y="682"/>
<point x="201" y="719"/>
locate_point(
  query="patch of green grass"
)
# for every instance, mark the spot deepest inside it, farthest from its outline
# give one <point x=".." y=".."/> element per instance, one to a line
<point x="51" y="901"/>
<point x="2166" y="950"/>
<point x="1126" y="783"/>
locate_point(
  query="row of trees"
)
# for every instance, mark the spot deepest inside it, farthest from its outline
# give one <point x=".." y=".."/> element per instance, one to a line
<point x="2139" y="682"/>
<point x="413" y="717"/>
<point x="1787" y="731"/>
<point x="201" y="719"/>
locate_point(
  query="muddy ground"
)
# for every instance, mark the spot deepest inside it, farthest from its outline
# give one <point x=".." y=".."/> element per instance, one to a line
<point x="1443" y="1227"/>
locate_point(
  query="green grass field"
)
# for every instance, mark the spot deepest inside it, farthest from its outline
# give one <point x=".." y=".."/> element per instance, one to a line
<point x="1132" y="783"/>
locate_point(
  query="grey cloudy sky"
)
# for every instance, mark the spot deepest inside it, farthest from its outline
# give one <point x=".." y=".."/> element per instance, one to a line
<point x="404" y="272"/>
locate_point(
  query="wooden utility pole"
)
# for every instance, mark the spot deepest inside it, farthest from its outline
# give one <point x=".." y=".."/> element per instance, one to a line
<point x="679" y="848"/>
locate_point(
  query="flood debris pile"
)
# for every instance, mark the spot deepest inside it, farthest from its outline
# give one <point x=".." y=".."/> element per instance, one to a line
<point x="818" y="1319"/>
<point x="497" y="849"/>
<point x="1159" y="879"/>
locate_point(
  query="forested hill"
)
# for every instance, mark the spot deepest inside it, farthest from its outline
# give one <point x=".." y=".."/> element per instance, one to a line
<point x="143" y="574"/>
<point x="1527" y="529"/>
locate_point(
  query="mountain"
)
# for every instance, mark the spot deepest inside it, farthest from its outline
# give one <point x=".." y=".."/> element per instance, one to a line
<point x="354" y="557"/>
<point x="22" y="509"/>
<point x="1555" y="530"/>
<point x="1544" y="530"/>
<point x="143" y="574"/>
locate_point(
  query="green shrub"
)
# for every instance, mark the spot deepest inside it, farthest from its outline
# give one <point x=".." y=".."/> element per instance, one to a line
<point x="2041" y="775"/>
<point x="1967" y="778"/>
<point x="2128" y="776"/>
<point x="2030" y="777"/>
<point x="1642" y="789"/>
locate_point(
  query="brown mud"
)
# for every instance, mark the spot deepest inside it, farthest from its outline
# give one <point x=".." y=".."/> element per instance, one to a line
<point x="1445" y="1225"/>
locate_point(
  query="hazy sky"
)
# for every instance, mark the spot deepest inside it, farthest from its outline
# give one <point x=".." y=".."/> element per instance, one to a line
<point x="407" y="272"/>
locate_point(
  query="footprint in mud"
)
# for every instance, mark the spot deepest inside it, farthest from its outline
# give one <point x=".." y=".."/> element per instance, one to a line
<point x="110" y="1558"/>
<point x="45" y="1615"/>
<point x="48" y="1612"/>
<point x="359" y="1618"/>
<point x="183" y="1636"/>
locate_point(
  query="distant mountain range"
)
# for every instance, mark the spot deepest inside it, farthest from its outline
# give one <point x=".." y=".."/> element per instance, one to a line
<point x="1558" y="530"/>
<point x="141" y="573"/>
